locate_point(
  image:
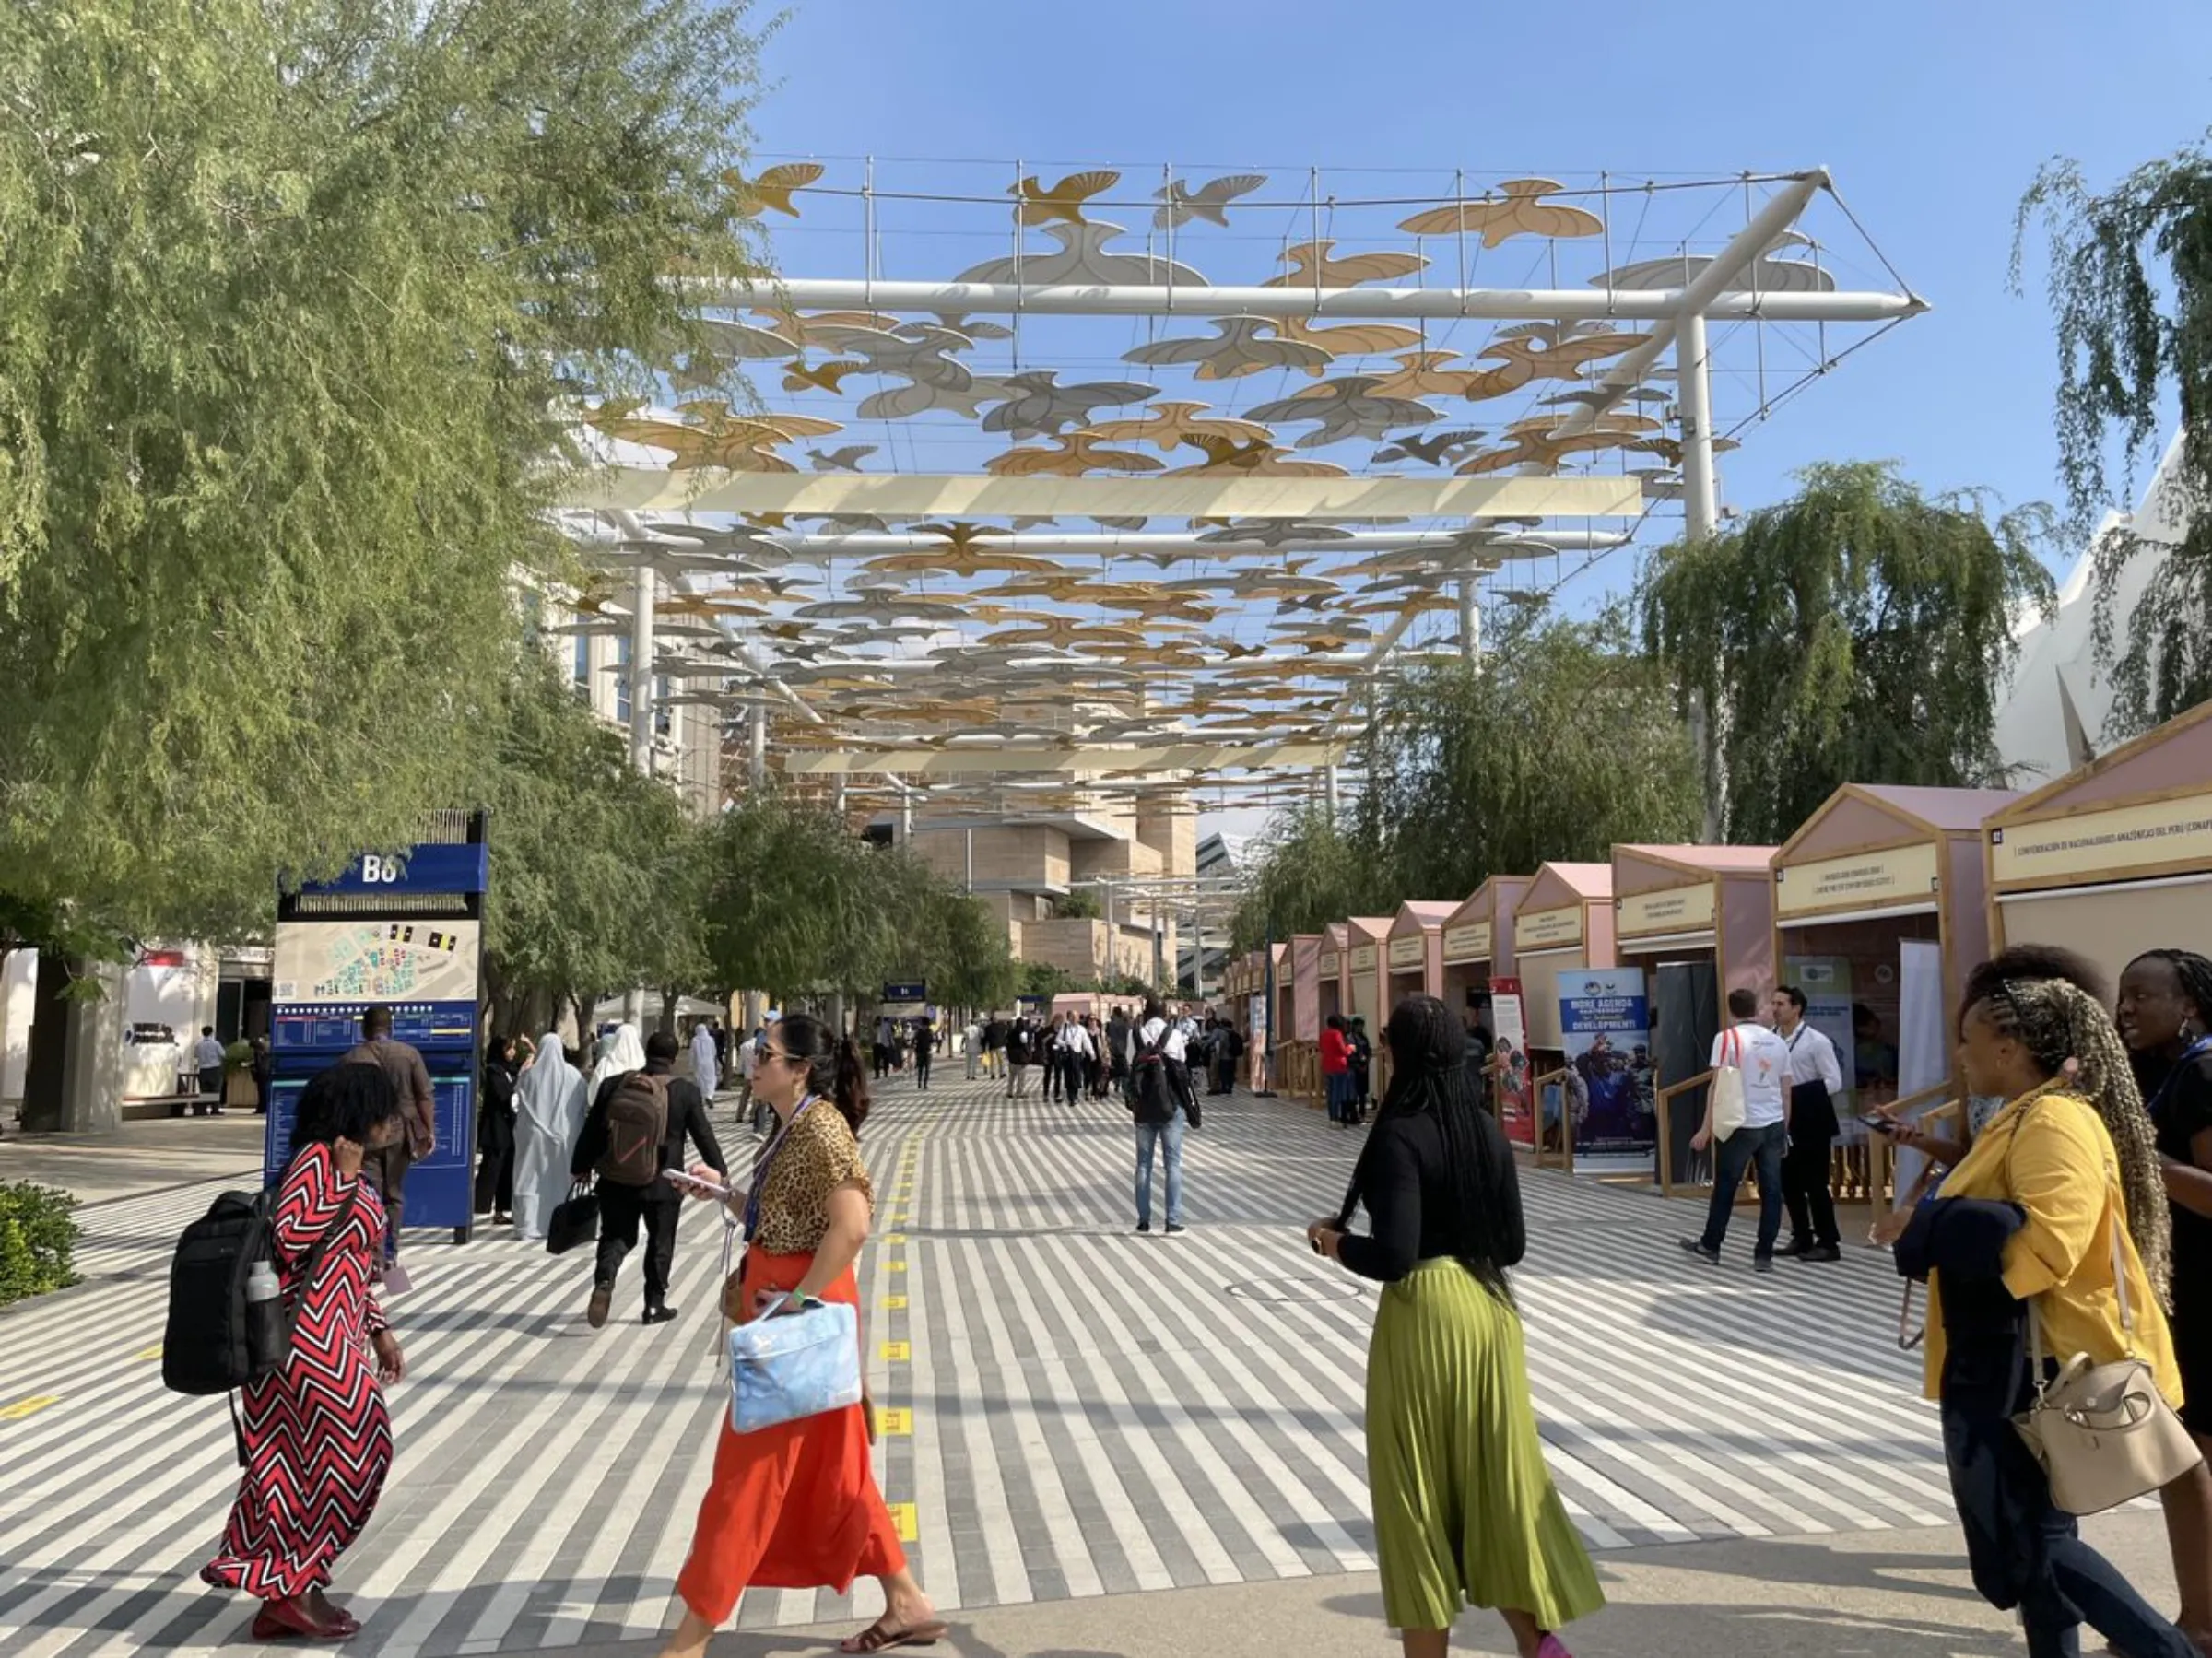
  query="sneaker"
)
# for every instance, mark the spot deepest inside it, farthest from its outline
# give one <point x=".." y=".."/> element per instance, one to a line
<point x="1824" y="1251"/>
<point x="1176" y="1228"/>
<point x="1797" y="1246"/>
<point x="1696" y="1246"/>
<point x="603" y="1297"/>
<point x="1144" y="1225"/>
<point x="1762" y="1264"/>
<point x="659" y="1315"/>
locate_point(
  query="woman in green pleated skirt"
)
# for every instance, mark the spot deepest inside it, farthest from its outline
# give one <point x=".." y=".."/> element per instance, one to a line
<point x="1465" y="1513"/>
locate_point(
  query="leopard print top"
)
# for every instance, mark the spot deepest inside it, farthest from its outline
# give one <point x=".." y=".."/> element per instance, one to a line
<point x="818" y="1156"/>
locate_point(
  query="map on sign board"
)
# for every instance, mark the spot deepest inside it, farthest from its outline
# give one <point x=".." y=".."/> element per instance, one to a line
<point x="426" y="960"/>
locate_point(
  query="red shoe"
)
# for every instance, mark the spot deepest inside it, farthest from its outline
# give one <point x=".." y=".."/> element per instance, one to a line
<point x="292" y="1617"/>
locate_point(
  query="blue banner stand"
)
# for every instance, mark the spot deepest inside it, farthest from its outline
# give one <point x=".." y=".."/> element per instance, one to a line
<point x="402" y="931"/>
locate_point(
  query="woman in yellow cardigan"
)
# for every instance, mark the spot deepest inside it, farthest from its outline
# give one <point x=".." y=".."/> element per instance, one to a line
<point x="2050" y="1157"/>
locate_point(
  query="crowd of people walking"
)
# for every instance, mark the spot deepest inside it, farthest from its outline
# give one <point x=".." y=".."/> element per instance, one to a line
<point x="2077" y="1220"/>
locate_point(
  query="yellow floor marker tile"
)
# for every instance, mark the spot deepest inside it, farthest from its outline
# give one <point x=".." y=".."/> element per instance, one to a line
<point x="152" y="1352"/>
<point x="893" y="1303"/>
<point x="28" y="1407"/>
<point x="894" y="1421"/>
<point x="894" y="1236"/>
<point x="894" y="1266"/>
<point x="902" y="1517"/>
<point x="897" y="1352"/>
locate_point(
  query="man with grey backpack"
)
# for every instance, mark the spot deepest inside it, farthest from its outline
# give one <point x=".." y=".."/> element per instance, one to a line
<point x="632" y="1135"/>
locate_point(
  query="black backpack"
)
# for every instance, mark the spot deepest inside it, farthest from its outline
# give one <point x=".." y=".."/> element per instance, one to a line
<point x="216" y="1338"/>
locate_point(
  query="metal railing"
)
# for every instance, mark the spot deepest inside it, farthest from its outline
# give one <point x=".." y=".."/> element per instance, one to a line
<point x="1664" y="1104"/>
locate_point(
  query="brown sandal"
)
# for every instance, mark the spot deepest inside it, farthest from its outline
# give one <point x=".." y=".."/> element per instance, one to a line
<point x="880" y="1637"/>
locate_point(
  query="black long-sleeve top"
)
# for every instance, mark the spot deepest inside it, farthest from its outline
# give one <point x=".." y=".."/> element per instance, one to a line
<point x="1415" y="1212"/>
<point x="686" y="1118"/>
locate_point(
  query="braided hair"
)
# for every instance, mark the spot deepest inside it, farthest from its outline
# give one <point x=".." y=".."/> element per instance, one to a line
<point x="2194" y="972"/>
<point x="2056" y="1021"/>
<point x="1428" y="1075"/>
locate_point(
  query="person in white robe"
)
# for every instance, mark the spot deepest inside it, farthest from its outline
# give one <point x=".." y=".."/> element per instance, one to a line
<point x="705" y="1071"/>
<point x="548" y="1116"/>
<point x="618" y="1055"/>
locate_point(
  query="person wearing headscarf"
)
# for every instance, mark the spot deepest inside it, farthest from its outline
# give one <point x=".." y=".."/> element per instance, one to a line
<point x="495" y="1132"/>
<point x="548" y="1114"/>
<point x="2057" y="1208"/>
<point x="1465" y="1513"/>
<point x="706" y="1061"/>
<point x="618" y="1055"/>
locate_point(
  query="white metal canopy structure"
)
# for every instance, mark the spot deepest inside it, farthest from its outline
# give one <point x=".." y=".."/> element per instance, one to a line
<point x="1022" y="508"/>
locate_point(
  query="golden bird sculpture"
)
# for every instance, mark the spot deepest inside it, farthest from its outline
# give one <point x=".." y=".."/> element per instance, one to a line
<point x="1167" y="426"/>
<point x="1311" y="266"/>
<point x="1256" y="459"/>
<point x="1352" y="339"/>
<point x="714" y="437"/>
<point x="1035" y="205"/>
<point x="1517" y="207"/>
<point x="1072" y="455"/>
<point x="1535" y="443"/>
<point x="1523" y="361"/>
<point x="773" y="188"/>
<point x="822" y="377"/>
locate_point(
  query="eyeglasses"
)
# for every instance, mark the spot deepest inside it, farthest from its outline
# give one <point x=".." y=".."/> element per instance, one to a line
<point x="769" y="1053"/>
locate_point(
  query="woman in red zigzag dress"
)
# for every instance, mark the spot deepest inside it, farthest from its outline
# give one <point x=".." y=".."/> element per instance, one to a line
<point x="317" y="1438"/>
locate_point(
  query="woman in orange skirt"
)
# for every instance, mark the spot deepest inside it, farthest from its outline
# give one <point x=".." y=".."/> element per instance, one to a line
<point x="795" y="1506"/>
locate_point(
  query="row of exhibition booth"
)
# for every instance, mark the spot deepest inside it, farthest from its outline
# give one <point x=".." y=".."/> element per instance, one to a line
<point x="1601" y="986"/>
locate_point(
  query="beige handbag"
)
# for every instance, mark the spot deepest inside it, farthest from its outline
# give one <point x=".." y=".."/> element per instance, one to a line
<point x="2102" y="1433"/>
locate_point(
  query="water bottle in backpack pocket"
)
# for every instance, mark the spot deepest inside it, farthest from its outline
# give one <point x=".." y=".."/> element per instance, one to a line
<point x="229" y="1322"/>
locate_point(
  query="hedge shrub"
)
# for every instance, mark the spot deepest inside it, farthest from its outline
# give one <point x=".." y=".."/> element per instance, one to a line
<point x="37" y="1238"/>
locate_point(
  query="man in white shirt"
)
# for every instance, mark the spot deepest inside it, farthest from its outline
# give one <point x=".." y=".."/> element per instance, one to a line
<point x="208" y="1058"/>
<point x="749" y="1061"/>
<point x="1071" y="1049"/>
<point x="972" y="1044"/>
<point x="1764" y="1061"/>
<point x="1816" y="1079"/>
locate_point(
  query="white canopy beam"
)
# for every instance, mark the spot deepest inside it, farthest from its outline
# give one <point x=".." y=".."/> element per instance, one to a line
<point x="1404" y="304"/>
<point x="1212" y="494"/>
<point x="1159" y="542"/>
<point x="1085" y="761"/>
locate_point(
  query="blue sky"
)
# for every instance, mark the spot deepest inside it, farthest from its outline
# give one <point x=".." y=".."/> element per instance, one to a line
<point x="1932" y="118"/>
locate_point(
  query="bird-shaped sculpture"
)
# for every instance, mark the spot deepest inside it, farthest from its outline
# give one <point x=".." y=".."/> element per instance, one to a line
<point x="1311" y="266"/>
<point x="968" y="550"/>
<point x="921" y="355"/>
<point x="1353" y="339"/>
<point x="1036" y="405"/>
<point x="1516" y="207"/>
<point x="1521" y="360"/>
<point x="1670" y="449"/>
<point x="1256" y="459"/>
<point x="1038" y="205"/>
<point x="1347" y="407"/>
<point x="715" y="437"/>
<point x="822" y="377"/>
<point x="1536" y="442"/>
<point x="1765" y="275"/>
<point x="773" y="188"/>
<point x="1272" y="531"/>
<point x="1072" y="455"/>
<point x="1434" y="449"/>
<point x="1422" y="374"/>
<point x="847" y="459"/>
<point x="740" y="541"/>
<point x="1240" y="346"/>
<point x="974" y="328"/>
<point x="807" y="328"/>
<point x="1167" y="426"/>
<point x="1208" y="202"/>
<point x="1084" y="259"/>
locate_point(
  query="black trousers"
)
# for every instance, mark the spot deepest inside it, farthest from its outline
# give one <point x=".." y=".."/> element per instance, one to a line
<point x="921" y="1058"/>
<point x="495" y="1166"/>
<point x="620" y="1209"/>
<point x="1804" y="1167"/>
<point x="388" y="1167"/>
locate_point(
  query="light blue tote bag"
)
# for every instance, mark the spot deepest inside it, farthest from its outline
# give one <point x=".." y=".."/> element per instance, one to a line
<point x="788" y="1366"/>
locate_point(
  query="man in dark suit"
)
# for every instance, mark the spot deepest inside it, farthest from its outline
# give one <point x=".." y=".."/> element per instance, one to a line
<point x="621" y="1207"/>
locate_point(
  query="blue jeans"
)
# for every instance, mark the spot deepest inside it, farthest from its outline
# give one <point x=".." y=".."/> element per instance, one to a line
<point x="1338" y="1086"/>
<point x="1730" y="1159"/>
<point x="1148" y="1135"/>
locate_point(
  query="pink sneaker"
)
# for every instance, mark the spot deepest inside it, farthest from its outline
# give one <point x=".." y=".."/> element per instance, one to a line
<point x="1551" y="1646"/>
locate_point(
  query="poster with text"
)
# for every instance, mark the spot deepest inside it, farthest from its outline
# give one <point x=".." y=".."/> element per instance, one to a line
<point x="1509" y="1062"/>
<point x="1606" y="1022"/>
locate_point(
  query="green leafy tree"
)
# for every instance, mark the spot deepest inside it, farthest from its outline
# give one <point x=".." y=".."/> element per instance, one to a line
<point x="1857" y="633"/>
<point x="295" y="304"/>
<point x="597" y="872"/>
<point x="1307" y="871"/>
<point x="2130" y="283"/>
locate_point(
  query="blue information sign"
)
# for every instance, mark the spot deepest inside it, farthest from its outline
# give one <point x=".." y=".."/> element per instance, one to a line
<point x="341" y="952"/>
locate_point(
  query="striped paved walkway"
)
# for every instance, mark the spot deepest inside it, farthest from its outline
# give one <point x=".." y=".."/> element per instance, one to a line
<point x="1072" y="1410"/>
